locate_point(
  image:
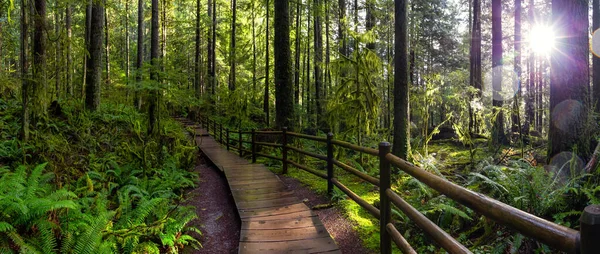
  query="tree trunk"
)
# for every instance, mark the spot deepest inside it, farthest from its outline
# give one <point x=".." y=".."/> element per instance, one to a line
<point x="569" y="81"/>
<point x="327" y="86"/>
<point x="197" y="53"/>
<point x="401" y="144"/>
<point x="39" y="88"/>
<point x="475" y="62"/>
<point x="596" y="58"/>
<point x="94" y="71"/>
<point x="137" y="101"/>
<point x="68" y="20"/>
<point x="370" y="21"/>
<point x="498" y="130"/>
<point x="86" y="56"/>
<point x="107" y="45"/>
<point x="297" y="60"/>
<point x="284" y="91"/>
<point x="232" y="48"/>
<point x="309" y="108"/>
<point x="25" y="84"/>
<point x="57" y="54"/>
<point x="529" y="98"/>
<point x="154" y="59"/>
<point x="253" y="49"/>
<point x="342" y="28"/>
<point x="127" y="42"/>
<point x="209" y="52"/>
<point x="515" y="115"/>
<point x="266" y="94"/>
<point x="213" y="47"/>
<point x="318" y="41"/>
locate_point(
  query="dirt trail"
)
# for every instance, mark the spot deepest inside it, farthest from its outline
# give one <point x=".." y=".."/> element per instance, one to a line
<point x="219" y="222"/>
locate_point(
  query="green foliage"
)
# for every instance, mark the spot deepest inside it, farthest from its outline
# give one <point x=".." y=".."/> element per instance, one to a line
<point x="103" y="186"/>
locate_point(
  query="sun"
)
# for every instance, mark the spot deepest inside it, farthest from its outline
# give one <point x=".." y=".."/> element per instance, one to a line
<point x="541" y="39"/>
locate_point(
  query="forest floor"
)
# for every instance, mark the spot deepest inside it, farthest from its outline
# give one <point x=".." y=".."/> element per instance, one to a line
<point x="220" y="223"/>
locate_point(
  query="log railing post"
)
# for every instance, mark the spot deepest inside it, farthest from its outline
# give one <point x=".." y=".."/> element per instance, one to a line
<point x="221" y="133"/>
<point x="384" y="201"/>
<point x="215" y="129"/>
<point x="253" y="146"/>
<point x="590" y="229"/>
<point x="227" y="138"/>
<point x="329" y="164"/>
<point x="284" y="150"/>
<point x="207" y="126"/>
<point x="240" y="143"/>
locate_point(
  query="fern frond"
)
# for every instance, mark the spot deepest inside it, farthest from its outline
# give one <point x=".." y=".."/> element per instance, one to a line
<point x="5" y="227"/>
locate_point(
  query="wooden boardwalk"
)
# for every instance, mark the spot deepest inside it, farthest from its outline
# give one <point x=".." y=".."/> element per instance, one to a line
<point x="273" y="219"/>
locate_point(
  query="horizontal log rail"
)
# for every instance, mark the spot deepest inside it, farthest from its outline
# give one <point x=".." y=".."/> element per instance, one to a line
<point x="314" y="138"/>
<point x="554" y="235"/>
<point x="307" y="169"/>
<point x="361" y="175"/>
<point x="361" y="149"/>
<point x="314" y="155"/>
<point x="268" y="132"/>
<point x="267" y="144"/>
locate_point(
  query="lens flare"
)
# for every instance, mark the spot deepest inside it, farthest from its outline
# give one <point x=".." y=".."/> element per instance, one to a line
<point x="541" y="39"/>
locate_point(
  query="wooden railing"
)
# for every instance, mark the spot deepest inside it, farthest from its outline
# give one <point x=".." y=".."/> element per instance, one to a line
<point x="587" y="240"/>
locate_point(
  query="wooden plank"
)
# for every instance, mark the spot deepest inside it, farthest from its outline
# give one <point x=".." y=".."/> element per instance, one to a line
<point x="302" y="246"/>
<point x="297" y="222"/>
<point x="267" y="203"/>
<point x="265" y="196"/>
<point x="287" y="216"/>
<point x="275" y="186"/>
<point x="263" y="212"/>
<point x="257" y="182"/>
<point x="286" y="234"/>
<point x="257" y="191"/>
<point x="258" y="176"/>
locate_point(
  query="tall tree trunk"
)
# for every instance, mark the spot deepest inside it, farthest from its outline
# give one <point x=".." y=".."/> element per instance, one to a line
<point x="94" y="71"/>
<point x="57" y="53"/>
<point x="327" y="87"/>
<point x="388" y="75"/>
<point x="127" y="42"/>
<point x="106" y="44"/>
<point x="370" y="21"/>
<point x="266" y="94"/>
<point x="342" y="28"/>
<point x="569" y="81"/>
<point x="297" y="57"/>
<point x="232" y="48"/>
<point x="154" y="59"/>
<point x="596" y="58"/>
<point x="253" y="48"/>
<point x="475" y="63"/>
<point x="25" y="84"/>
<point x="401" y="144"/>
<point x="499" y="136"/>
<point x="209" y="45"/>
<point x="515" y="115"/>
<point x="86" y="55"/>
<point x="284" y="91"/>
<point x="529" y="98"/>
<point x="140" y="55"/>
<point x="197" y="53"/>
<point x="309" y="107"/>
<point x="68" y="20"/>
<point x="318" y="60"/>
<point x="213" y="65"/>
<point x="39" y="88"/>
<point x="163" y="43"/>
